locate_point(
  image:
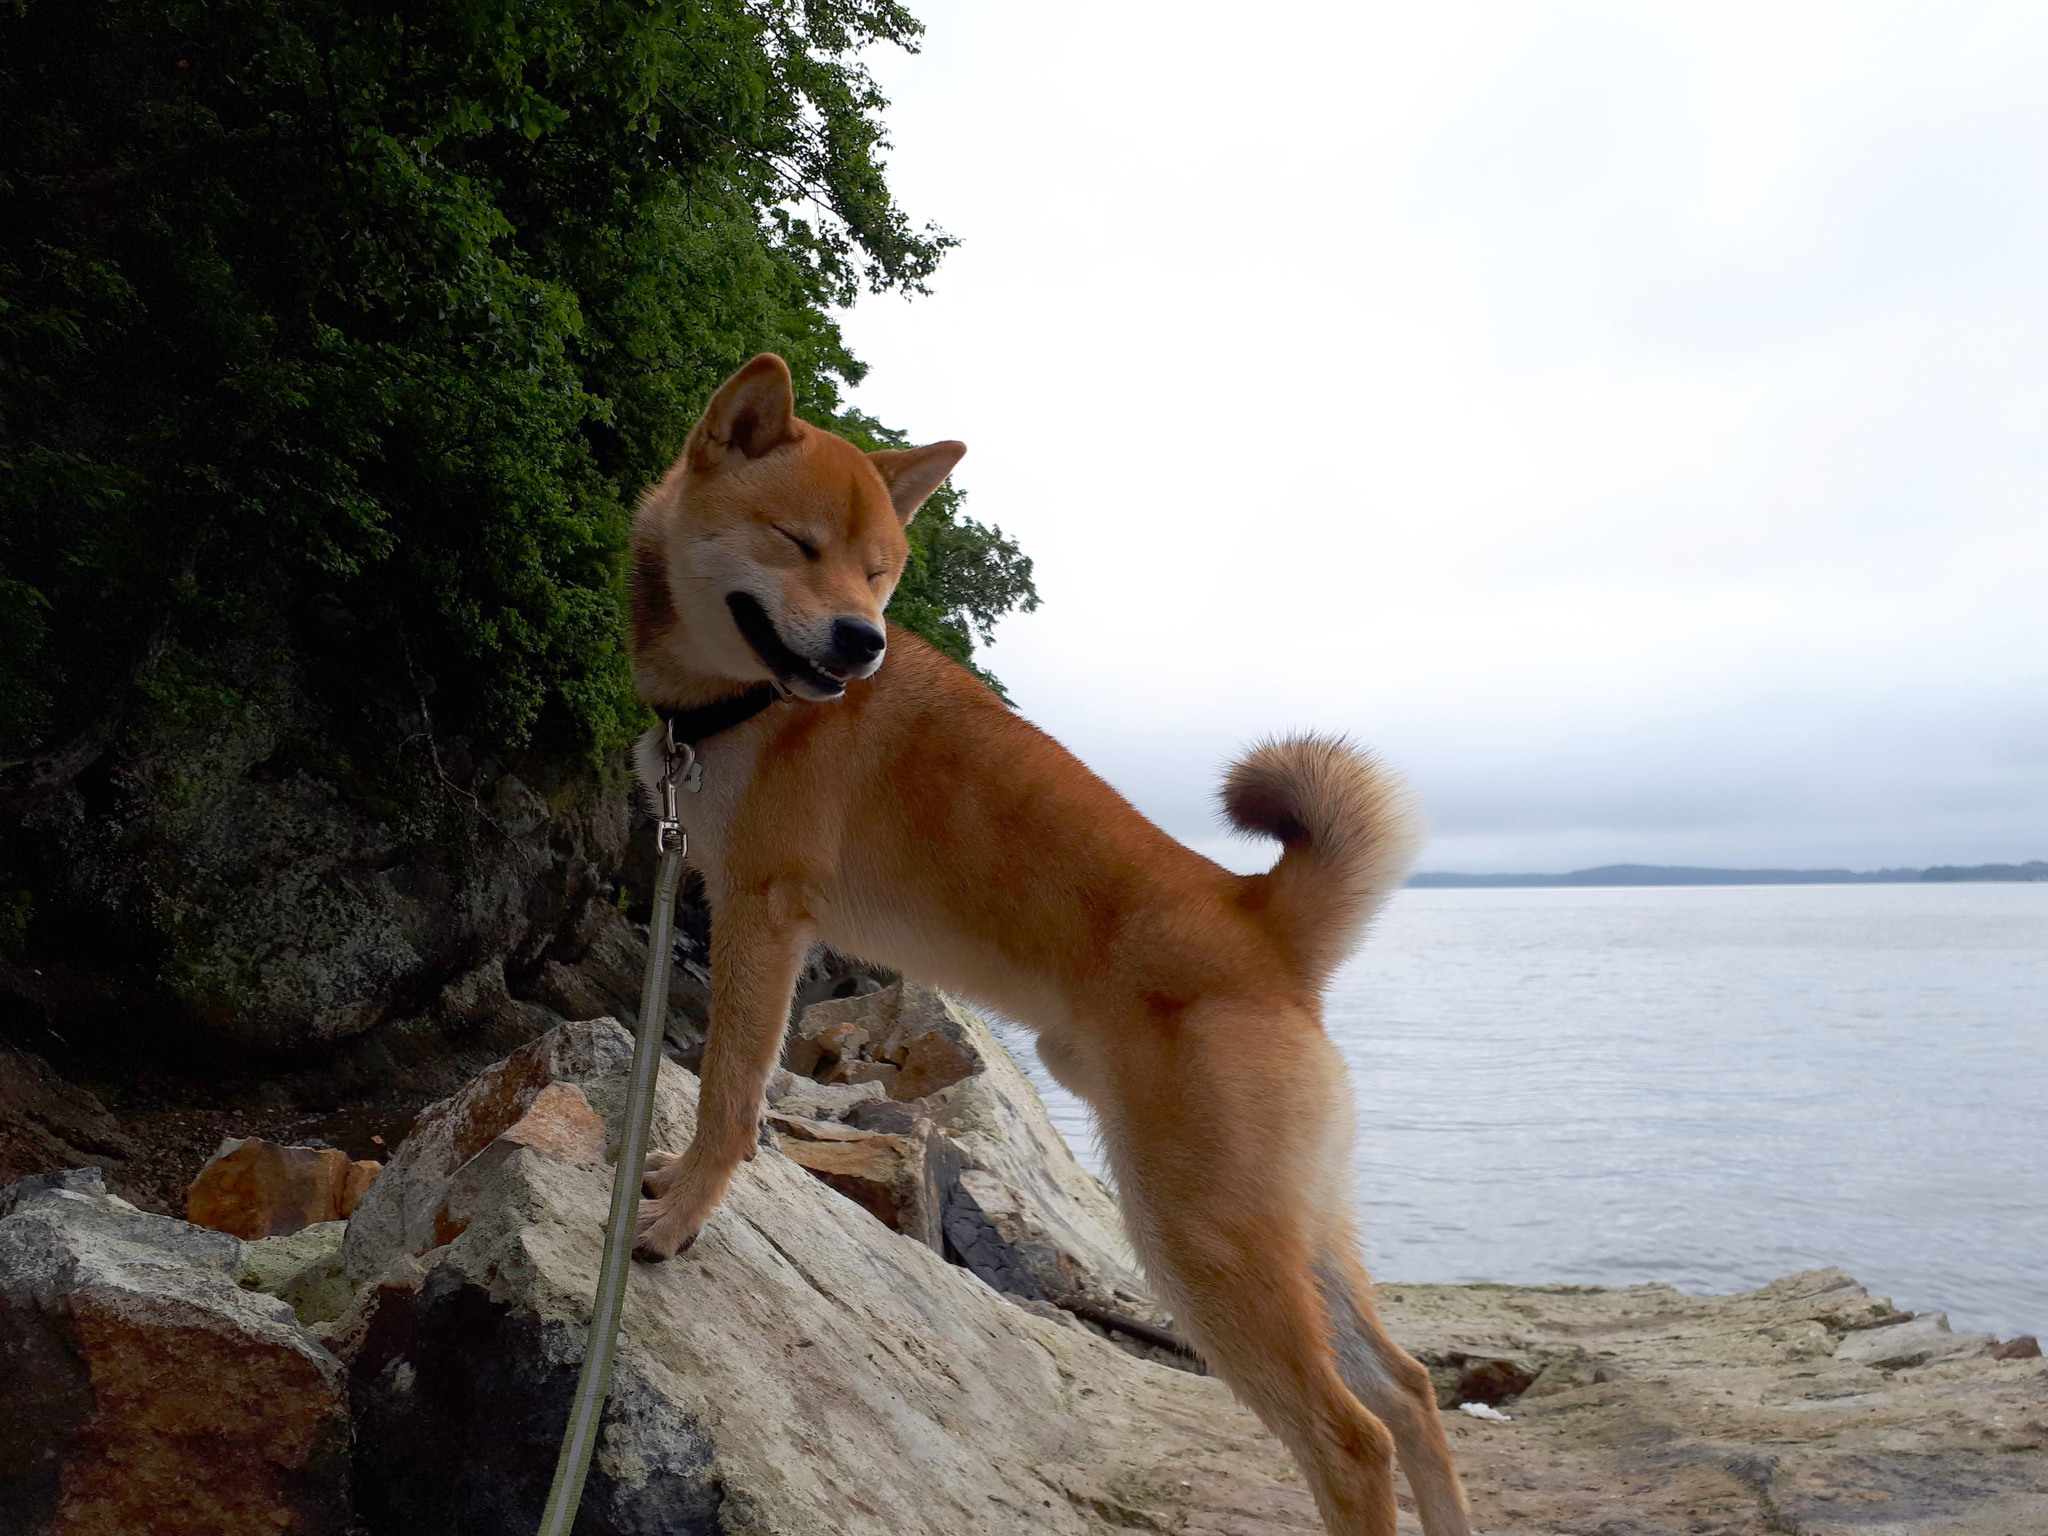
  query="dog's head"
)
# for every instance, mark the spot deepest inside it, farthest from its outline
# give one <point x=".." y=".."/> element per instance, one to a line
<point x="776" y="545"/>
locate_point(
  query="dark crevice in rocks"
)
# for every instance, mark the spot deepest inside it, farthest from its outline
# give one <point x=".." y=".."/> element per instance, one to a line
<point x="460" y="1403"/>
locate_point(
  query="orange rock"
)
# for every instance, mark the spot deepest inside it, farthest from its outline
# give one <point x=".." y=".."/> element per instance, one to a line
<point x="873" y="1171"/>
<point x="899" y="1180"/>
<point x="361" y="1175"/>
<point x="560" y="1123"/>
<point x="255" y="1188"/>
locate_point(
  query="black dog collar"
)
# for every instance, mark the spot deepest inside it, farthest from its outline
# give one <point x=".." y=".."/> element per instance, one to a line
<point x="694" y="727"/>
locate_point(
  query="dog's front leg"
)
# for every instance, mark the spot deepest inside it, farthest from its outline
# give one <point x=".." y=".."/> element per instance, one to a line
<point x="758" y="942"/>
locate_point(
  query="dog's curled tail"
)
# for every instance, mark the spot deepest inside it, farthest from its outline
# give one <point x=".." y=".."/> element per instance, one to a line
<point x="1348" y="830"/>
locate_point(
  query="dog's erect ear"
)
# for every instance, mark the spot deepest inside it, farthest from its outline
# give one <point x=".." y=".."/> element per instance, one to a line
<point x="912" y="474"/>
<point x="754" y="412"/>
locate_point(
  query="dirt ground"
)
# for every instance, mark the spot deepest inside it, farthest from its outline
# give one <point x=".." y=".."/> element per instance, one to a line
<point x="153" y="1134"/>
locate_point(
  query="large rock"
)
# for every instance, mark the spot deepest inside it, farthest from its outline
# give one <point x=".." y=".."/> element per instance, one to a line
<point x="407" y="1211"/>
<point x="802" y="1369"/>
<point x="254" y="1188"/>
<point x="143" y="1389"/>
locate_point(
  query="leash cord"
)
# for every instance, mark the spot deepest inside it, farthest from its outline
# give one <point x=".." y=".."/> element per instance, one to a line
<point x="594" y="1381"/>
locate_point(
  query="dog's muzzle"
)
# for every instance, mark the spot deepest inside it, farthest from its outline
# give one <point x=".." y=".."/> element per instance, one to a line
<point x="856" y="650"/>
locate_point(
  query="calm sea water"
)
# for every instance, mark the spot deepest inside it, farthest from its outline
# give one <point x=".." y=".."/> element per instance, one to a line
<point x="1711" y="1086"/>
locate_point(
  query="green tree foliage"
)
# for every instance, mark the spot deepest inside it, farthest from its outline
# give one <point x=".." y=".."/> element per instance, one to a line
<point x="371" y="319"/>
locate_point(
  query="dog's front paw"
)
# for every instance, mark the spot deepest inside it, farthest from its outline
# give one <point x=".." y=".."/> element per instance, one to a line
<point x="660" y="1173"/>
<point x="666" y="1229"/>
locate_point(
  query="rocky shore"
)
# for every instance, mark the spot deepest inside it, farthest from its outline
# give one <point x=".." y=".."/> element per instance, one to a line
<point x="914" y="1314"/>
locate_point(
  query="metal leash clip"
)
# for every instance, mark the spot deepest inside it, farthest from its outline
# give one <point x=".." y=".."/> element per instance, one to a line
<point x="679" y="762"/>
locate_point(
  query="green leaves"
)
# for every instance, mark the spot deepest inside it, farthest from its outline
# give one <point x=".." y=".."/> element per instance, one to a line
<point x="390" y="310"/>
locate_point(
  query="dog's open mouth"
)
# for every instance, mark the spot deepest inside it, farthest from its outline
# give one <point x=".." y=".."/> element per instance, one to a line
<point x="759" y="631"/>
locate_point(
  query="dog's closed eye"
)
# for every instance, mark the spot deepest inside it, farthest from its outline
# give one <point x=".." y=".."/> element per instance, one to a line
<point x="810" y="550"/>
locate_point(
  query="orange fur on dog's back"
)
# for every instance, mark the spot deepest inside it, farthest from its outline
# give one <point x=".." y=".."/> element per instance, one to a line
<point x="903" y="813"/>
<point x="1350" y="832"/>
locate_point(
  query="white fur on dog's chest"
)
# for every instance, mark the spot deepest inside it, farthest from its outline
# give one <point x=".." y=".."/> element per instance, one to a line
<point x="727" y="764"/>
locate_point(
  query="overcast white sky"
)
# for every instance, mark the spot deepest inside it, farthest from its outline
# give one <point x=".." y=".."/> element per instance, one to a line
<point x="1632" y="419"/>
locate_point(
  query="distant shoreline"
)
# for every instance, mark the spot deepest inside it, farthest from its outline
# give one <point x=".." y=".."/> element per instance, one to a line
<point x="1675" y="874"/>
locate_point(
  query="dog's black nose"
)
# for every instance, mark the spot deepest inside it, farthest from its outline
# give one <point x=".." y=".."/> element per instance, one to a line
<point x="855" y="642"/>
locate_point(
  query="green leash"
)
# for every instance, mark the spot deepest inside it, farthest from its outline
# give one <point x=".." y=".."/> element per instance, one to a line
<point x="595" y="1379"/>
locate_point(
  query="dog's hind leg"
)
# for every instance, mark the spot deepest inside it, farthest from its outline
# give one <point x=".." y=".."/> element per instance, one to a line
<point x="1228" y="1135"/>
<point x="758" y="942"/>
<point x="1394" y="1386"/>
<point x="1249" y="1300"/>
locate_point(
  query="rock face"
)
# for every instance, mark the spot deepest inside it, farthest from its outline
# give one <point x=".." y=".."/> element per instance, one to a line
<point x="254" y="1188"/>
<point x="803" y="1369"/>
<point x="281" y="879"/>
<point x="142" y="1389"/>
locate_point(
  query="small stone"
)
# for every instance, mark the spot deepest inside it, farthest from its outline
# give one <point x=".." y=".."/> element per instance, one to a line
<point x="270" y="1263"/>
<point x="815" y="1130"/>
<point x="825" y="1101"/>
<point x="877" y="1173"/>
<point x="302" y="1270"/>
<point x="398" y="1216"/>
<point x="826" y="1043"/>
<point x="864" y="1072"/>
<point x="2024" y="1347"/>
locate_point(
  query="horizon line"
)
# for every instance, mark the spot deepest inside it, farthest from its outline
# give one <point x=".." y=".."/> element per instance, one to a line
<point x="2029" y="871"/>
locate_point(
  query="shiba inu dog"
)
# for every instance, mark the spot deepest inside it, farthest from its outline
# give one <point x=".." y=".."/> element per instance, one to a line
<point x="861" y="789"/>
